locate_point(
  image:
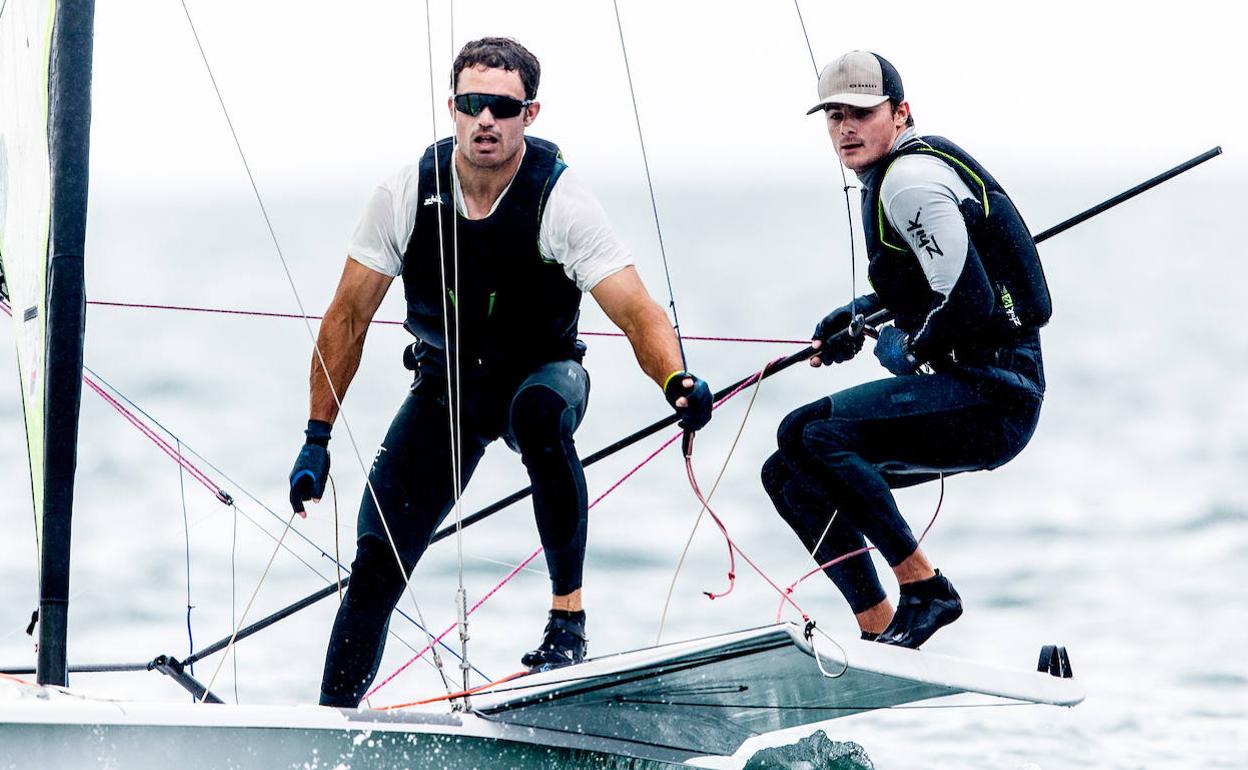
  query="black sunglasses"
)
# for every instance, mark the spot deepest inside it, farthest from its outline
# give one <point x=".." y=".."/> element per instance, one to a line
<point x="500" y="106"/>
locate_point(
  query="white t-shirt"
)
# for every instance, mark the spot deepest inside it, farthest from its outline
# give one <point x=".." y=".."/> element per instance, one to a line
<point x="574" y="230"/>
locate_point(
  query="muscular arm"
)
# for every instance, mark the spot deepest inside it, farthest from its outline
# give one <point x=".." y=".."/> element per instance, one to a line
<point x="341" y="338"/>
<point x="624" y="299"/>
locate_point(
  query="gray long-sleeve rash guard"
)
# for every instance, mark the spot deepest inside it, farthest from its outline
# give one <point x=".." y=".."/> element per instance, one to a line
<point x="920" y="196"/>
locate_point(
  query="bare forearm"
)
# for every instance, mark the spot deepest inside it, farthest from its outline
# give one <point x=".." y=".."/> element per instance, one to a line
<point x="654" y="342"/>
<point x="340" y="345"/>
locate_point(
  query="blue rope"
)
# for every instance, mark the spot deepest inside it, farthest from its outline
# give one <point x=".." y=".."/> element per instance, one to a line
<point x="186" y="530"/>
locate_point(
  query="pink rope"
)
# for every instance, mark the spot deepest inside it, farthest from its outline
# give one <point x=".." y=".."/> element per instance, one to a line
<point x="147" y="431"/>
<point x="732" y="545"/>
<point x="265" y="314"/>
<point x="516" y="570"/>
<point x="858" y="552"/>
<point x="160" y="442"/>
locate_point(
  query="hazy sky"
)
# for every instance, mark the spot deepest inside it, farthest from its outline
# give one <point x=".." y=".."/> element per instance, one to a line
<point x="325" y="92"/>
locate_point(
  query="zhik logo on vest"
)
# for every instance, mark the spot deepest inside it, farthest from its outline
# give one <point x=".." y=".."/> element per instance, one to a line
<point x="436" y="199"/>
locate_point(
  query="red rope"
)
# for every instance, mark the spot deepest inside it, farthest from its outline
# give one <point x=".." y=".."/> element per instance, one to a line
<point x="265" y="314"/>
<point x="460" y="694"/>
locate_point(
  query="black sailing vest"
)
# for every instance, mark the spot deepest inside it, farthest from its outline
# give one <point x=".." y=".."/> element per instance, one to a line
<point x="516" y="309"/>
<point x="997" y="233"/>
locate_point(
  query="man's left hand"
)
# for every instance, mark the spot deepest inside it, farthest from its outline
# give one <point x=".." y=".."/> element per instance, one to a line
<point x="893" y="349"/>
<point x="691" y="398"/>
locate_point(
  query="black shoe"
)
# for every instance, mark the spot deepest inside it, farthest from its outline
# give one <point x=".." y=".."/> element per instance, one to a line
<point x="562" y="645"/>
<point x="924" y="607"/>
<point x="868" y="636"/>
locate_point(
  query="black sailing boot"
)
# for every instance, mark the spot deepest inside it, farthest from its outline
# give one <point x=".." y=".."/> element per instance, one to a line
<point x="924" y="607"/>
<point x="562" y="645"/>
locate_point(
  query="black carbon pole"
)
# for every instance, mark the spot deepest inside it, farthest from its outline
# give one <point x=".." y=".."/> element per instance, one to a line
<point x="1129" y="194"/>
<point x="876" y="319"/>
<point x="879" y="318"/>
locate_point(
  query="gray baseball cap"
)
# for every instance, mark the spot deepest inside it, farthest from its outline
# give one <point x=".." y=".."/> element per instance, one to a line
<point x="859" y="79"/>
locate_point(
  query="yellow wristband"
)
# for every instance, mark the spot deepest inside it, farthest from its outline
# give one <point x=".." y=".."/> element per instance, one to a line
<point x="672" y="376"/>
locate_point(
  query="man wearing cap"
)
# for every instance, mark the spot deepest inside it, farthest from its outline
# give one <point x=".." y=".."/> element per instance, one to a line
<point x="496" y="240"/>
<point x="954" y="266"/>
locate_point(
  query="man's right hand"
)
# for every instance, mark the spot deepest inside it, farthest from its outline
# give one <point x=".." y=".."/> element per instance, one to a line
<point x="833" y="346"/>
<point x="692" y="399"/>
<point x="307" y="478"/>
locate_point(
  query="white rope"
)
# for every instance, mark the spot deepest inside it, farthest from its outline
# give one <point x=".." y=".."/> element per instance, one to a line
<point x="234" y="635"/>
<point x="654" y="206"/>
<point x="461" y="594"/>
<point x="819" y="661"/>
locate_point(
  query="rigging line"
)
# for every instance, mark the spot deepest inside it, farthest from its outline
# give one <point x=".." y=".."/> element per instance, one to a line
<point x="453" y="386"/>
<point x="732" y="545"/>
<point x="801" y="20"/>
<point x="740" y="386"/>
<point x="299" y="301"/>
<point x="461" y="595"/>
<point x="667" y="602"/>
<point x="186" y="530"/>
<point x="234" y="591"/>
<point x="654" y="206"/>
<point x="471" y="691"/>
<point x="161" y="443"/>
<point x="333" y="489"/>
<point x="230" y="645"/>
<point x="383" y="322"/>
<point x="845" y="185"/>
<point x="530" y="558"/>
<point x="147" y="432"/>
<point x="856" y="552"/>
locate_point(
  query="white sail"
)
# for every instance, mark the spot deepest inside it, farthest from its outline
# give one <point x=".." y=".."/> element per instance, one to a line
<point x="25" y="204"/>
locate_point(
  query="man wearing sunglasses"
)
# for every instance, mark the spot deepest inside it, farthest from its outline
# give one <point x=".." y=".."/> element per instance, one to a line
<point x="496" y="240"/>
<point x="952" y="260"/>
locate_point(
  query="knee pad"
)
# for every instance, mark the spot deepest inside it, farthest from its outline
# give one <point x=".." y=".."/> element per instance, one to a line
<point x="776" y="474"/>
<point x="790" y="436"/>
<point x="540" y="419"/>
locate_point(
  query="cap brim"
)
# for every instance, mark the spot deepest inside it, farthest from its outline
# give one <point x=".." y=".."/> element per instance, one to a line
<point x="853" y="100"/>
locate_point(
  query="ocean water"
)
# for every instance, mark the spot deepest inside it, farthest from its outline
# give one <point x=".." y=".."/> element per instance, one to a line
<point x="1120" y="532"/>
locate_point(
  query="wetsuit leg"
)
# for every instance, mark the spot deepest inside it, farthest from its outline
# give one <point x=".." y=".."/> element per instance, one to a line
<point x="358" y="639"/>
<point x="411" y="477"/>
<point x="811" y="517"/>
<point x="858" y="443"/>
<point x="545" y="411"/>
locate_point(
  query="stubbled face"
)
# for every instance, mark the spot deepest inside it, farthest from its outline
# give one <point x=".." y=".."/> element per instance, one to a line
<point x="486" y="142"/>
<point x="863" y="135"/>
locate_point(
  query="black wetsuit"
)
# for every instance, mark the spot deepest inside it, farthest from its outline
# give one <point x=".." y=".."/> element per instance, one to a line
<point x="522" y="381"/>
<point x="838" y="458"/>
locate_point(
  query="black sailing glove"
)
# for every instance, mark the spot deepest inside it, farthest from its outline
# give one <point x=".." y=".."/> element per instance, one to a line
<point x="307" y="478"/>
<point x="697" y="410"/>
<point x="840" y="333"/>
<point x="893" y="350"/>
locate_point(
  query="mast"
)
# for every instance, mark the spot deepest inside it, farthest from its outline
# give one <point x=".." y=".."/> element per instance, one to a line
<point x="69" y="133"/>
